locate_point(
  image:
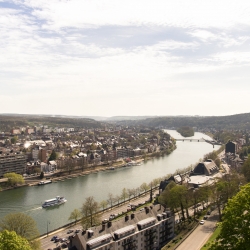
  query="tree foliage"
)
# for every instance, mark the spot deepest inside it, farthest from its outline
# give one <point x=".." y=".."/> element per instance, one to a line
<point x="41" y="175"/>
<point x="124" y="194"/>
<point x="12" y="241"/>
<point x="186" y="131"/>
<point x="14" y="140"/>
<point x="75" y="215"/>
<point x="22" y="224"/>
<point x="103" y="204"/>
<point x="53" y="156"/>
<point x="14" y="179"/>
<point x="246" y="169"/>
<point x="90" y="214"/>
<point x="144" y="187"/>
<point x="235" y="227"/>
<point x="110" y="199"/>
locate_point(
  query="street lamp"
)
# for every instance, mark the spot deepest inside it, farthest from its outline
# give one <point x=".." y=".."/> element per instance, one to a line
<point x="48" y="222"/>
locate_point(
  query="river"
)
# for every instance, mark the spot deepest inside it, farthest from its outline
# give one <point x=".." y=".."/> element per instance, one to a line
<point x="99" y="185"/>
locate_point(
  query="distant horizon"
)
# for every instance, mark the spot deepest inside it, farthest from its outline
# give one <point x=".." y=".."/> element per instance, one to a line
<point x="100" y="116"/>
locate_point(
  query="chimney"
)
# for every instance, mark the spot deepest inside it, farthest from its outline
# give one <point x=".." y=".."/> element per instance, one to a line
<point x="90" y="233"/>
<point x="126" y="218"/>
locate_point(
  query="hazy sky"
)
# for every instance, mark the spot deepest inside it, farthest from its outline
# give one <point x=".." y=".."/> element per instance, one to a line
<point x="133" y="57"/>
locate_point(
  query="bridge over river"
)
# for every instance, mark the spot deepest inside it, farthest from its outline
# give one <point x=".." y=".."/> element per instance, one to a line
<point x="199" y="140"/>
<point x="191" y="139"/>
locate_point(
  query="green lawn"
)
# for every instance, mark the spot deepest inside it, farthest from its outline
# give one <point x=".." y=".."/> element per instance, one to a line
<point x="211" y="239"/>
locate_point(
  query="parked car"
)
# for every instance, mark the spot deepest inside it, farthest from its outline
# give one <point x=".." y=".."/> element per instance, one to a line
<point x="77" y="231"/>
<point x="202" y="222"/>
<point x="208" y="212"/>
<point x="205" y="217"/>
<point x="63" y="240"/>
<point x="57" y="239"/>
<point x="54" y="238"/>
<point x="70" y="231"/>
<point x="111" y="217"/>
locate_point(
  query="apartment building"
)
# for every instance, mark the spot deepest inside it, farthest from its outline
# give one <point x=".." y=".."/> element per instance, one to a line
<point x="12" y="163"/>
<point x="149" y="229"/>
<point x="124" y="152"/>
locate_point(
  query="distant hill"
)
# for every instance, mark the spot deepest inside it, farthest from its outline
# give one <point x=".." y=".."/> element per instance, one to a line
<point x="128" y="118"/>
<point x="238" y="121"/>
<point x="9" y="121"/>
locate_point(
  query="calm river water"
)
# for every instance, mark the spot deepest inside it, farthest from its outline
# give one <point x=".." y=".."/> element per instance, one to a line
<point x="29" y="199"/>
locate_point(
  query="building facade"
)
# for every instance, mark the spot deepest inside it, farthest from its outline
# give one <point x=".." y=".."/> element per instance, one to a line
<point x="12" y="163"/>
<point x="231" y="147"/>
<point x="144" y="230"/>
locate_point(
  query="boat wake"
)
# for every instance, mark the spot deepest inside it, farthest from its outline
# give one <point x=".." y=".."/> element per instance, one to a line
<point x="33" y="209"/>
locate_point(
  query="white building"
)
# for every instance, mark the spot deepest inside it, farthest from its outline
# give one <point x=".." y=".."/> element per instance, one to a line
<point x="148" y="229"/>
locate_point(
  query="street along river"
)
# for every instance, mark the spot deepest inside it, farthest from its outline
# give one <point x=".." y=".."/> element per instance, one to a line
<point x="99" y="185"/>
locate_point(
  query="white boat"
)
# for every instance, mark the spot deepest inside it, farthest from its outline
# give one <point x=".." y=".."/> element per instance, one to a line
<point x="44" y="182"/>
<point x="54" y="202"/>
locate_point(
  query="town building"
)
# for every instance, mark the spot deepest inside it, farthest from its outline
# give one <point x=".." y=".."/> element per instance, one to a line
<point x="15" y="131"/>
<point x="14" y="162"/>
<point x="151" y="228"/>
<point x="231" y="147"/>
<point x="203" y="173"/>
<point x="124" y="152"/>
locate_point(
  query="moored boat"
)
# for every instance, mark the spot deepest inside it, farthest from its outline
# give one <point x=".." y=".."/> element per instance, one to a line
<point x="44" y="182"/>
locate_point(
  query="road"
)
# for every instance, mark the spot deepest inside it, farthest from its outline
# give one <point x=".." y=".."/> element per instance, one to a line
<point x="201" y="234"/>
<point x="46" y="242"/>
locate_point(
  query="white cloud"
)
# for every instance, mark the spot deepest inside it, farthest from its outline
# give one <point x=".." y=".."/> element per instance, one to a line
<point x="183" y="13"/>
<point x="147" y="54"/>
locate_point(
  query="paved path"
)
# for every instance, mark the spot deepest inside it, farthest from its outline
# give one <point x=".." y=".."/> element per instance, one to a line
<point x="201" y="234"/>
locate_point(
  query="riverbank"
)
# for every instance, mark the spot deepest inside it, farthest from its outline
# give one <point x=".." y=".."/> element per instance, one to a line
<point x="64" y="175"/>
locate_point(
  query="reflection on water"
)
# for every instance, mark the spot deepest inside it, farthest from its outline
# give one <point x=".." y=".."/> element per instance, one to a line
<point x="75" y="190"/>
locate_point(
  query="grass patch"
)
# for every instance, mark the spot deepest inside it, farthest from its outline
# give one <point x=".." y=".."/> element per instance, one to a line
<point x="211" y="239"/>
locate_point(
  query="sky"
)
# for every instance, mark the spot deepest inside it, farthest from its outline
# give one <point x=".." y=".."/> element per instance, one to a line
<point x="133" y="57"/>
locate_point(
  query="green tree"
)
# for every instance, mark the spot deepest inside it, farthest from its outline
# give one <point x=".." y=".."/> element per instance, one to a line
<point x="53" y="156"/>
<point x="124" y="194"/>
<point x="246" y="169"/>
<point x="14" y="179"/>
<point x="103" y="204"/>
<point x="131" y="192"/>
<point x="12" y="241"/>
<point x="235" y="227"/>
<point x="23" y="225"/>
<point x="117" y="199"/>
<point x="75" y="215"/>
<point x="110" y="199"/>
<point x="42" y="175"/>
<point x="144" y="187"/>
<point x="13" y="140"/>
<point x="90" y="214"/>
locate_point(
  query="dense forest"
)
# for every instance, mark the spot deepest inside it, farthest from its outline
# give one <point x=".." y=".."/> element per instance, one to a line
<point x="7" y="122"/>
<point x="239" y="121"/>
